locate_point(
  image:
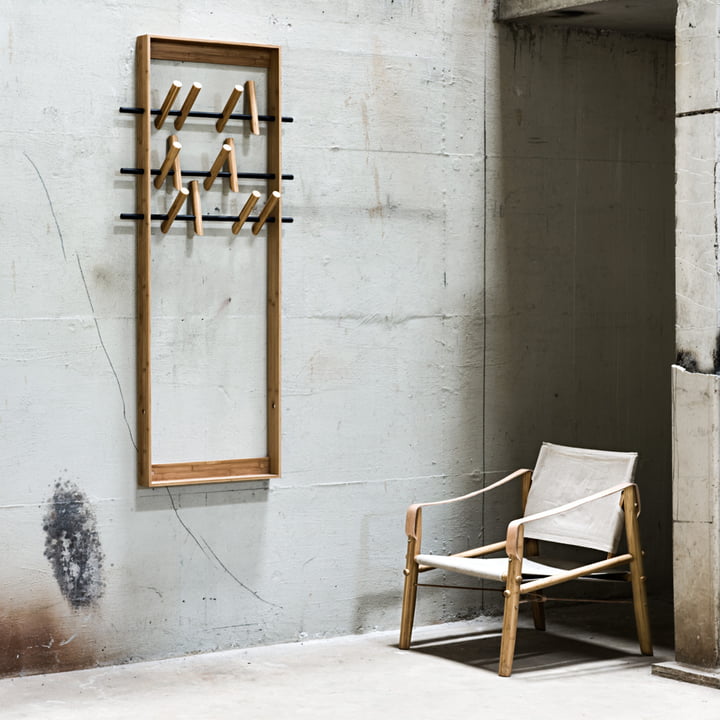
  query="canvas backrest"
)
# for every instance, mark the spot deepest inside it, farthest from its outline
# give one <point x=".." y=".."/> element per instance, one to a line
<point x="563" y="474"/>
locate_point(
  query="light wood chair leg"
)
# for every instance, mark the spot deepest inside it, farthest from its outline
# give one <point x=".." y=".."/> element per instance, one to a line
<point x="510" y="622"/>
<point x="538" y="613"/>
<point x="409" y="595"/>
<point x="642" y="619"/>
<point x="532" y="549"/>
<point x="637" y="576"/>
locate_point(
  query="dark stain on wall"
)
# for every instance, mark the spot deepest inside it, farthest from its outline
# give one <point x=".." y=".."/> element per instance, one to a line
<point x="570" y="13"/>
<point x="716" y="356"/>
<point x="72" y="545"/>
<point x="687" y="361"/>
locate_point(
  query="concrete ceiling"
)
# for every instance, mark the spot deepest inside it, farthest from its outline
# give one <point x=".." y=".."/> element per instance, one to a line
<point x="648" y="17"/>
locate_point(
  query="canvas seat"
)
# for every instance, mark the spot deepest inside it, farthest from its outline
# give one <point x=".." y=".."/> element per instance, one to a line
<point x="575" y="497"/>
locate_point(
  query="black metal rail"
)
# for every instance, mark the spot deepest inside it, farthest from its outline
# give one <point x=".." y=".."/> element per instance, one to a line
<point x="203" y="114"/>
<point x="205" y="218"/>
<point x="206" y="173"/>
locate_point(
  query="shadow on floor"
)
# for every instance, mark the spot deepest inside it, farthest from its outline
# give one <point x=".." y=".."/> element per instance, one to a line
<point x="580" y="637"/>
<point x="534" y="651"/>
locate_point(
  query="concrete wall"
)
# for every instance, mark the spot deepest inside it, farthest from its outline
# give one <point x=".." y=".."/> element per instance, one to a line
<point x="381" y="341"/>
<point x="406" y="241"/>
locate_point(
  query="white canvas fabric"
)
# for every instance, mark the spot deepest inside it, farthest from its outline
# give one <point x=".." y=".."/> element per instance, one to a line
<point x="486" y="568"/>
<point x="563" y="474"/>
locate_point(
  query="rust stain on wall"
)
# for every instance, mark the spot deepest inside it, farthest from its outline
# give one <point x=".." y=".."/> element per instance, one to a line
<point x="35" y="640"/>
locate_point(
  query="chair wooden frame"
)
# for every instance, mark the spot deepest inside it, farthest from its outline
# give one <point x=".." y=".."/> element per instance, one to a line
<point x="516" y="548"/>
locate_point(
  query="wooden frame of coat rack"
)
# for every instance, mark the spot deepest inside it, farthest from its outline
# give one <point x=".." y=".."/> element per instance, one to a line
<point x="153" y="47"/>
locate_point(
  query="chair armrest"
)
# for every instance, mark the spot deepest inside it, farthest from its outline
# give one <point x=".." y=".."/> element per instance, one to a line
<point x="513" y="544"/>
<point x="413" y="515"/>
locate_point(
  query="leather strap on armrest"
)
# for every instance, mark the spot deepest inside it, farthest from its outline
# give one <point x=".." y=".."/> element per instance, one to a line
<point x="413" y="512"/>
<point x="513" y="531"/>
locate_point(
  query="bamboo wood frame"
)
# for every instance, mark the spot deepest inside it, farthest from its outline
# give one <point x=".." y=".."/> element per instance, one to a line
<point x="516" y="548"/>
<point x="154" y="47"/>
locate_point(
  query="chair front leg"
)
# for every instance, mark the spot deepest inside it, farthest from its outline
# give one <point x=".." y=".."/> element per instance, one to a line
<point x="409" y="595"/>
<point x="637" y="576"/>
<point x="510" y="617"/>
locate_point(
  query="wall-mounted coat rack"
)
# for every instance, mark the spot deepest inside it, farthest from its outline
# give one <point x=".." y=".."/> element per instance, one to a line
<point x="170" y="175"/>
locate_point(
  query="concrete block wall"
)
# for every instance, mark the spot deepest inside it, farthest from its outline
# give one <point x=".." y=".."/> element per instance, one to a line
<point x="695" y="517"/>
<point x="696" y="445"/>
<point x="436" y="322"/>
<point x="698" y="93"/>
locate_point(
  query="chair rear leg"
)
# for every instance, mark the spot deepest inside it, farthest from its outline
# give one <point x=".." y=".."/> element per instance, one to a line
<point x="538" y="613"/>
<point x="532" y="549"/>
<point x="409" y="596"/>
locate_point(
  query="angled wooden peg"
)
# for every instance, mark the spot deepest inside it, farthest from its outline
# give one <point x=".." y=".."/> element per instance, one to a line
<point x="167" y="103"/>
<point x="174" y="148"/>
<point x="229" y="107"/>
<point x="197" y="210"/>
<point x="180" y="198"/>
<point x="177" y="172"/>
<point x="247" y="209"/>
<point x="269" y="205"/>
<point x="195" y="89"/>
<point x="217" y="165"/>
<point x="252" y="104"/>
<point x="232" y="165"/>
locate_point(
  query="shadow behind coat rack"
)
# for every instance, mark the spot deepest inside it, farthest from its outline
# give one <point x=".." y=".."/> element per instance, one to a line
<point x="152" y="47"/>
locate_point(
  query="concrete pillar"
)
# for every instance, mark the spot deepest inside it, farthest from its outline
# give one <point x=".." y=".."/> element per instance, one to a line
<point x="696" y="520"/>
<point x="696" y="385"/>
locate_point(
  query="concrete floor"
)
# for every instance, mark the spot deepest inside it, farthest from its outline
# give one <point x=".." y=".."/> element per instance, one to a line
<point x="582" y="667"/>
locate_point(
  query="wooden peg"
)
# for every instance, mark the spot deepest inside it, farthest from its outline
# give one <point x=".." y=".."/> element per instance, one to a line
<point x="229" y="107"/>
<point x="232" y="165"/>
<point x="252" y="103"/>
<point x="174" y="209"/>
<point x="177" y="172"/>
<point x="247" y="209"/>
<point x="219" y="162"/>
<point x="167" y="103"/>
<point x="269" y="205"/>
<point x="195" y="89"/>
<point x="174" y="148"/>
<point x="197" y="210"/>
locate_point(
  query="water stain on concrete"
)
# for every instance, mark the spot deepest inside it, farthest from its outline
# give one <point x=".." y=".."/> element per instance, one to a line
<point x="36" y="638"/>
<point x="72" y="545"/>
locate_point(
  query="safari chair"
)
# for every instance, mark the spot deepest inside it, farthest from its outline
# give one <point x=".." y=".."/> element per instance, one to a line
<point x="575" y="497"/>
